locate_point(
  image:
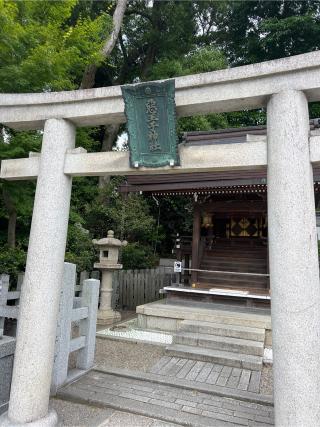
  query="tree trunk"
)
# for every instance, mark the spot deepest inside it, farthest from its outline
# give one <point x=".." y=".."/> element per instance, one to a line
<point x="90" y="72"/>
<point x="89" y="76"/>
<point x="110" y="134"/>
<point x="12" y="218"/>
<point x="88" y="79"/>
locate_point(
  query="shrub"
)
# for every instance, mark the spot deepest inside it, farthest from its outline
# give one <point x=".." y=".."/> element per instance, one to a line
<point x="135" y="256"/>
<point x="12" y="261"/>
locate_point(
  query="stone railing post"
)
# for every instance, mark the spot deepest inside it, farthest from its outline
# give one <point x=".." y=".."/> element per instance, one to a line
<point x="4" y="288"/>
<point x="294" y="265"/>
<point x="61" y="357"/>
<point x="39" y="302"/>
<point x="90" y="298"/>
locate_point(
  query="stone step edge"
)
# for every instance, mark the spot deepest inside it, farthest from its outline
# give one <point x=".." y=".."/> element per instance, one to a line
<point x="198" y="324"/>
<point x="220" y="339"/>
<point x="206" y="354"/>
<point x="173" y="311"/>
<point x="245" y="396"/>
<point x="215" y="318"/>
<point x="145" y="409"/>
<point x="208" y="323"/>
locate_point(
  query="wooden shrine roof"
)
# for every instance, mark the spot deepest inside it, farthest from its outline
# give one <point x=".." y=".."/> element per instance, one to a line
<point x="208" y="182"/>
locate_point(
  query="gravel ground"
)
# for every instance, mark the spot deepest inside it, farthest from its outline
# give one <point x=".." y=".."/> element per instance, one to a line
<point x="126" y="355"/>
<point x="76" y="415"/>
<point x="266" y="383"/>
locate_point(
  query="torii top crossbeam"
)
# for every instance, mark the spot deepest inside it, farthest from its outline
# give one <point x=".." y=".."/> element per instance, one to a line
<point x="232" y="89"/>
<point x="249" y="86"/>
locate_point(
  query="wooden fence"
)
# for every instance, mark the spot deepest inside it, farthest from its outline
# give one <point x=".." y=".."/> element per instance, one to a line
<point x="130" y="287"/>
<point x="136" y="287"/>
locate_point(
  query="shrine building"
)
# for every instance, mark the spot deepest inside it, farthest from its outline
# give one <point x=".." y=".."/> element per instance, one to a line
<point x="226" y="257"/>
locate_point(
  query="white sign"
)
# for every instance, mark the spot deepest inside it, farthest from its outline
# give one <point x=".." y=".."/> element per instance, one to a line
<point x="177" y="267"/>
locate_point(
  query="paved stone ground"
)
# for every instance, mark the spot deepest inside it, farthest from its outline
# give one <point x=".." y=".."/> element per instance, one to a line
<point x="124" y="419"/>
<point x="78" y="415"/>
<point x="209" y="373"/>
<point x="165" y="402"/>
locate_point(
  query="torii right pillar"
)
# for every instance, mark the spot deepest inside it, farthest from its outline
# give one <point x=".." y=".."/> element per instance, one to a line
<point x="294" y="266"/>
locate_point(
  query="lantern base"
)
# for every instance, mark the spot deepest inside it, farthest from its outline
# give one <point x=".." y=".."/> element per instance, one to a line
<point x="108" y="317"/>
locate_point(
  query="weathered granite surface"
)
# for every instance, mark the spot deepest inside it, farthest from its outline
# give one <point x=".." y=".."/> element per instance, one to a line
<point x="293" y="262"/>
<point x="7" y="347"/>
<point x="232" y="89"/>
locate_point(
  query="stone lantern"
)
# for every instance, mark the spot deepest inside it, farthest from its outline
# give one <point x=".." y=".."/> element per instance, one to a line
<point x="109" y="255"/>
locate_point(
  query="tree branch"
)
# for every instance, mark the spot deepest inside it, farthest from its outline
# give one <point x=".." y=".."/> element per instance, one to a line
<point x="88" y="78"/>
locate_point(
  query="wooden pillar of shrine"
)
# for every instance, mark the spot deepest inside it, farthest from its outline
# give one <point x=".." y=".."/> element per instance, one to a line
<point x="195" y="243"/>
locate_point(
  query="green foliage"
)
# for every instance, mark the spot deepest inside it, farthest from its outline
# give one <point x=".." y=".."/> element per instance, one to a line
<point x="79" y="250"/>
<point x="150" y="34"/>
<point x="198" y="123"/>
<point x="129" y="218"/>
<point x="175" y="216"/>
<point x="41" y="51"/>
<point x="246" y="118"/>
<point x="262" y="30"/>
<point x="46" y="45"/>
<point x="137" y="256"/>
<point x="18" y="144"/>
<point x="94" y="211"/>
<point x="12" y="261"/>
<point x="198" y="61"/>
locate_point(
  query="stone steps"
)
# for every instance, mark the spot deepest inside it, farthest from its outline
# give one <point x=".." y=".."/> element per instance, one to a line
<point x="226" y="330"/>
<point x="252" y="288"/>
<point x="236" y="267"/>
<point x="242" y="258"/>
<point x="235" y="344"/>
<point x="233" y="278"/>
<point x="238" y="360"/>
<point x="216" y="342"/>
<point x="239" y="253"/>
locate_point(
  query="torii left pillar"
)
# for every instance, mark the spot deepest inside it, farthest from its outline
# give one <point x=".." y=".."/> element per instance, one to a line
<point x="39" y="303"/>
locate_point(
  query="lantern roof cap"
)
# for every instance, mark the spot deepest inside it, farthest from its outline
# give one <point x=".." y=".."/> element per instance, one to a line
<point x="109" y="241"/>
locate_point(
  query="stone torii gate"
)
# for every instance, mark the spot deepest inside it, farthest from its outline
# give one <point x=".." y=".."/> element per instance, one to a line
<point x="285" y="87"/>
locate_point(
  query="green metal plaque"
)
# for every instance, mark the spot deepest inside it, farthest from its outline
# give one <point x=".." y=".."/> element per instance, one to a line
<point x="151" y="123"/>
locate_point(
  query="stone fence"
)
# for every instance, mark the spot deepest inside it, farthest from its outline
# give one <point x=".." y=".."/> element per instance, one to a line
<point x="76" y="327"/>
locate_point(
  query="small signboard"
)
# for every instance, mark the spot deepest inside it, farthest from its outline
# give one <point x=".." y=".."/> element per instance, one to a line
<point x="177" y="266"/>
<point x="151" y="123"/>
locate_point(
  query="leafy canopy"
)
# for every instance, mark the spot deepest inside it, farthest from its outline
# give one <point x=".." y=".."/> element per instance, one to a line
<point x="41" y="51"/>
